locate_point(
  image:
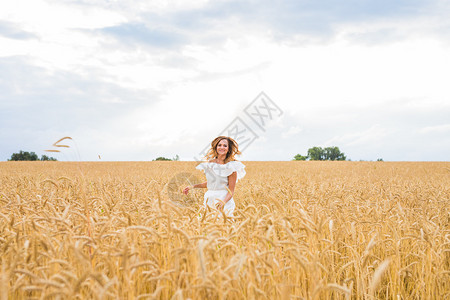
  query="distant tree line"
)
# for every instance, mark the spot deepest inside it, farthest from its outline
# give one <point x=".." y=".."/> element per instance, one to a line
<point x="319" y="153"/>
<point x="29" y="156"/>
<point x="176" y="158"/>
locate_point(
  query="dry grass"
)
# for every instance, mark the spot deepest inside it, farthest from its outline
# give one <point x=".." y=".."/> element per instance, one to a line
<point x="303" y="230"/>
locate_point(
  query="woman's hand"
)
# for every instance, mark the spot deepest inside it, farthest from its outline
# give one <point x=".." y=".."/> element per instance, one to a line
<point x="186" y="190"/>
<point x="220" y="205"/>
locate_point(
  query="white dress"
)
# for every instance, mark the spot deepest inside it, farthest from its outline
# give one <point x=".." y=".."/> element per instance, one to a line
<point x="217" y="182"/>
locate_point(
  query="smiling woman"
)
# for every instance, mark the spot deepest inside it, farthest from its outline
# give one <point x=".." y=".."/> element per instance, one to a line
<point x="222" y="172"/>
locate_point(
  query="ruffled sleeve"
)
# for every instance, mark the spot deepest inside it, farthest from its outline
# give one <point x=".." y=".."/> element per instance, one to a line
<point x="224" y="170"/>
<point x="201" y="166"/>
<point x="239" y="168"/>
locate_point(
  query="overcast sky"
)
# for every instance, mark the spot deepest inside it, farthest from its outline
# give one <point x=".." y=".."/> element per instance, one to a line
<point x="134" y="80"/>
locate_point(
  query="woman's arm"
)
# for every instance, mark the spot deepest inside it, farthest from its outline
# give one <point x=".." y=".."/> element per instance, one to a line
<point x="198" y="185"/>
<point x="231" y="186"/>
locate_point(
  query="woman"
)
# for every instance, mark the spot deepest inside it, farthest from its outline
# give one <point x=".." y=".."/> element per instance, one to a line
<point x="222" y="172"/>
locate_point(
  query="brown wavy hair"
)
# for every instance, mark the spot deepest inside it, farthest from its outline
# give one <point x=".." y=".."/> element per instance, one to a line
<point x="233" y="149"/>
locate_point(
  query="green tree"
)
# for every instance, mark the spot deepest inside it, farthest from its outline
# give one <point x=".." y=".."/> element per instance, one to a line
<point x="300" y="157"/>
<point x="162" y="159"/>
<point x="46" y="158"/>
<point x="28" y="156"/>
<point x="333" y="153"/>
<point x="24" y="156"/>
<point x="316" y="153"/>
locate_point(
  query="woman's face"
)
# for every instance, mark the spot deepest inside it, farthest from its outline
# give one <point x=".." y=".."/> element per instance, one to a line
<point x="222" y="147"/>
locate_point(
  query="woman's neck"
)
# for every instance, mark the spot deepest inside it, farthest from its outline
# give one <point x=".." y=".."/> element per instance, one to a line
<point x="221" y="159"/>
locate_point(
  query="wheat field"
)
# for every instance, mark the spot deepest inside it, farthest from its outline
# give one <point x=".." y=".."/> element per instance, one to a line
<point x="302" y="230"/>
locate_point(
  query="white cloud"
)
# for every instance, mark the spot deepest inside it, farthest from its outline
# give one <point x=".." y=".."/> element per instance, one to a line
<point x="366" y="137"/>
<point x="445" y="128"/>
<point x="292" y="131"/>
<point x="50" y="18"/>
